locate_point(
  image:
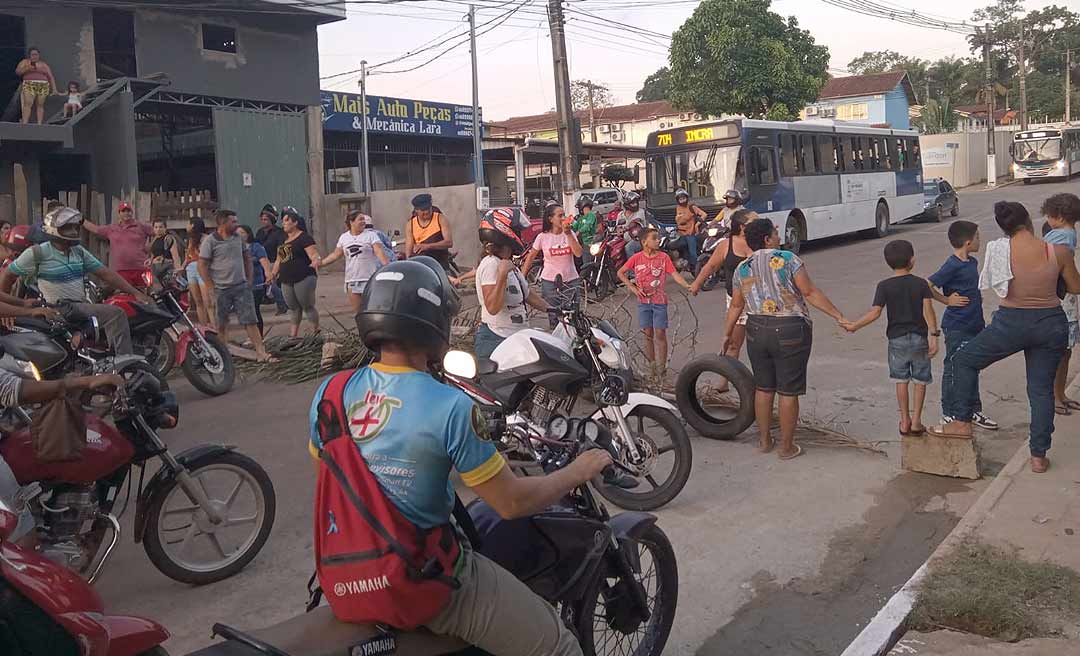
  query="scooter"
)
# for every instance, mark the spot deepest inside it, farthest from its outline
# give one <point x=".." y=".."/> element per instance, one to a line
<point x="202" y="517"/>
<point x="165" y="335"/>
<point x="46" y="609"/>
<point x="713" y="232"/>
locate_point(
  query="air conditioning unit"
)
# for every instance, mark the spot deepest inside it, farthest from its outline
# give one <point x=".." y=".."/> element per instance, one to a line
<point x="617" y="136"/>
<point x="697" y="117"/>
<point x="616" y="127"/>
<point x="811" y="111"/>
<point x="603" y="129"/>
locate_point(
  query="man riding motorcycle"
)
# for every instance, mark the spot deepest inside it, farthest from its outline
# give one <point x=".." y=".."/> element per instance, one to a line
<point x="634" y="215"/>
<point x="687" y="216"/>
<point x="732" y="203"/>
<point x="413" y="430"/>
<point x="60" y="267"/>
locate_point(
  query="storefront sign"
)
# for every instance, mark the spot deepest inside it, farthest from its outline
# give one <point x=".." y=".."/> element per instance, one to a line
<point x="341" y="112"/>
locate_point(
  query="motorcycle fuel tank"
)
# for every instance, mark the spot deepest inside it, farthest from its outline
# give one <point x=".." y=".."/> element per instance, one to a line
<point x="34" y="347"/>
<point x="106" y="451"/>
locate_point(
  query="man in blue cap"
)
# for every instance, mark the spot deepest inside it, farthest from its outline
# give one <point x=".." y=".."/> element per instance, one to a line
<point x="428" y="232"/>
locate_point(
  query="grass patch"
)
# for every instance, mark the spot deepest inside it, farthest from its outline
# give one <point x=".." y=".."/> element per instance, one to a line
<point x="992" y="592"/>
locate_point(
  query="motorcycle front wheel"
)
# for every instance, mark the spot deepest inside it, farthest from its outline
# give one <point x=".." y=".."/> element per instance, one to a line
<point x="186" y="546"/>
<point x="160" y="352"/>
<point x="211" y="373"/>
<point x="663" y="440"/>
<point x="607" y="623"/>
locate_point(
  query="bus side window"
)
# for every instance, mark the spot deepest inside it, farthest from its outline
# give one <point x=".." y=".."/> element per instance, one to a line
<point x="810" y="159"/>
<point x="856" y="154"/>
<point x="916" y="153"/>
<point x="762" y="166"/>
<point x="873" y="162"/>
<point x="789" y="156"/>
<point x="840" y="154"/>
<point x="901" y="154"/>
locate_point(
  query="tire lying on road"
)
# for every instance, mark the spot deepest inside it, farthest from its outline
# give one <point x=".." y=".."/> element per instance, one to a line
<point x="695" y="412"/>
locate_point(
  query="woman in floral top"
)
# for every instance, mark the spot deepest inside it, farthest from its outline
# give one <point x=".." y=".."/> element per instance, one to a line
<point x="774" y="288"/>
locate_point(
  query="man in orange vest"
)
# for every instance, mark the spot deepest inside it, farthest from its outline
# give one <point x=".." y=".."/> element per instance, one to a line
<point x="428" y="232"/>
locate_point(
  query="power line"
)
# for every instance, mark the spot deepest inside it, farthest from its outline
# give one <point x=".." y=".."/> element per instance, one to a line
<point x="901" y="15"/>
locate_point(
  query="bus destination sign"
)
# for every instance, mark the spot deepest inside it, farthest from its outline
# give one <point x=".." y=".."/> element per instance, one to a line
<point x="693" y="135"/>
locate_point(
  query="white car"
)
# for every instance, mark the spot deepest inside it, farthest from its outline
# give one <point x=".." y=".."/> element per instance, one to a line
<point x="603" y="199"/>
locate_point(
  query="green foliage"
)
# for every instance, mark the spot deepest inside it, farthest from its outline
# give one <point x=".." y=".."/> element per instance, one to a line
<point x="879" y="61"/>
<point x="580" y="90"/>
<point x="737" y="57"/>
<point x="937" y="117"/>
<point x="656" y="87"/>
<point x="780" y="112"/>
<point x="619" y="174"/>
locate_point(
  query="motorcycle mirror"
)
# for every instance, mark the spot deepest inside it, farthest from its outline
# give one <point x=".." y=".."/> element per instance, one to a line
<point x="460" y="364"/>
<point x="9" y="520"/>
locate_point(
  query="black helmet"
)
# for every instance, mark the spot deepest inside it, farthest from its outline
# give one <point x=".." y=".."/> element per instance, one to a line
<point x="682" y="193"/>
<point x="585" y="200"/>
<point x="408" y="301"/>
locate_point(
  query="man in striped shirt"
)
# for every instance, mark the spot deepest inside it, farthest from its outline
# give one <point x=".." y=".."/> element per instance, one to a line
<point x="60" y="267"/>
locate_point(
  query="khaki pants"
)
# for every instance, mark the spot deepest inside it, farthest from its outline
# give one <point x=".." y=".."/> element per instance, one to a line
<point x="496" y="612"/>
<point x="114" y="324"/>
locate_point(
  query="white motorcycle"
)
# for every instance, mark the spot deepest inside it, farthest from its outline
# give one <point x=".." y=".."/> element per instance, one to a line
<point x="534" y="377"/>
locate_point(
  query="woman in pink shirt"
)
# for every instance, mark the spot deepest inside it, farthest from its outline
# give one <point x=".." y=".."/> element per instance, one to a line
<point x="559" y="246"/>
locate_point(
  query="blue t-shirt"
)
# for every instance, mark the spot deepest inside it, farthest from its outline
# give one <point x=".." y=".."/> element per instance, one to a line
<point x="412" y="430"/>
<point x="961" y="277"/>
<point x="1062" y="236"/>
<point x="257" y="254"/>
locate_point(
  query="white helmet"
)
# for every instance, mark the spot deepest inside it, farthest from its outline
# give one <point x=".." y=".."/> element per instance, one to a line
<point x="64" y="223"/>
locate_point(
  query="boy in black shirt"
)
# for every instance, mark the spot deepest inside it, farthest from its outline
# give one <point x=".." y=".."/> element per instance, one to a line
<point x="912" y="331"/>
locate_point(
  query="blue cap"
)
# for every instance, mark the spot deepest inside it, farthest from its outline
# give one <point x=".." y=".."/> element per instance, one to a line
<point x="422" y="202"/>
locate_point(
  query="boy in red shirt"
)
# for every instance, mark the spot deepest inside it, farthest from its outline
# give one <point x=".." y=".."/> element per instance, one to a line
<point x="651" y="268"/>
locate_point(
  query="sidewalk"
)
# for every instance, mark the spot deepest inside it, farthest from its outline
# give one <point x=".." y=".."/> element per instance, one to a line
<point x="1037" y="514"/>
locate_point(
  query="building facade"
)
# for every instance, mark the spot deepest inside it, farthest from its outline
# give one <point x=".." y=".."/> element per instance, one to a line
<point x="880" y="100"/>
<point x="177" y="97"/>
<point x="628" y="125"/>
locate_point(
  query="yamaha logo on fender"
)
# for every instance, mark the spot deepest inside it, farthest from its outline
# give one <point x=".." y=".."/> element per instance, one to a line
<point x="361" y="586"/>
<point x="381" y="645"/>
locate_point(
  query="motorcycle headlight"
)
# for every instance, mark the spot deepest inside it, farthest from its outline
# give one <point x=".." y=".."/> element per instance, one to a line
<point x="594" y="250"/>
<point x="713" y="232"/>
<point x="32" y="371"/>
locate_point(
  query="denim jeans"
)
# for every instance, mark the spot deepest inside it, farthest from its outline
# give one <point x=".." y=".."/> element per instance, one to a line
<point x="692" y="251"/>
<point x="1041" y="334"/>
<point x="954" y="341"/>
<point x="486" y="341"/>
<point x="557" y="297"/>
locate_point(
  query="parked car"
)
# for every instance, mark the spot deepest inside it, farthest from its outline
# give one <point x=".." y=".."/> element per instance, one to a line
<point x="603" y="199"/>
<point x="939" y="197"/>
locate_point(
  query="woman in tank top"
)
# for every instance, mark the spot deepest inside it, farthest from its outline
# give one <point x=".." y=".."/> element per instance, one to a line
<point x="1031" y="320"/>
<point x="428" y="232"/>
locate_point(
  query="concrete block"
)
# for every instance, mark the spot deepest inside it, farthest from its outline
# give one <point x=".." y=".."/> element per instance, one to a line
<point x="944" y="456"/>
<point x="954" y="643"/>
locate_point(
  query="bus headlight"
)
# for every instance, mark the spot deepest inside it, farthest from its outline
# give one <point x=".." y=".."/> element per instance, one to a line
<point x="1061" y="163"/>
<point x="594" y="250"/>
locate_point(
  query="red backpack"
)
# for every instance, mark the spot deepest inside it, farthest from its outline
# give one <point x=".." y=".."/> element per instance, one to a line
<point x="373" y="564"/>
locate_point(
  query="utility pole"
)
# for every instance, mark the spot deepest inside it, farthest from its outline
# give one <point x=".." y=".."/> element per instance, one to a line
<point x="592" y="88"/>
<point x="1068" y="86"/>
<point x="478" y="148"/>
<point x="568" y="168"/>
<point x="991" y="163"/>
<point x="365" y="170"/>
<point x="1023" y="78"/>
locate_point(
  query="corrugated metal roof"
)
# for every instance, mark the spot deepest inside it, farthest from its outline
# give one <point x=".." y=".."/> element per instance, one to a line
<point x="618" y="114"/>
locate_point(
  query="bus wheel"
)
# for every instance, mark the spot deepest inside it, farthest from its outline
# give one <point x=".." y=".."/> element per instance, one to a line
<point x="793" y="234"/>
<point x="881" y="220"/>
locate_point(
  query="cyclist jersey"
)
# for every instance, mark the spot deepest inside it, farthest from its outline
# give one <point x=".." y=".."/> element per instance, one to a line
<point x="412" y="430"/>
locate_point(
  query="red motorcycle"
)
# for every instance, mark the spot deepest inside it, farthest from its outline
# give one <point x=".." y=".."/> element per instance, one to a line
<point x="47" y="609"/>
<point x="608" y="251"/>
<point x="201" y="518"/>
<point x="165" y="336"/>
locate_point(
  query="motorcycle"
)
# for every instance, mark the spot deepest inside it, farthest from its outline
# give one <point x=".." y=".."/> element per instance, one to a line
<point x="714" y="232"/>
<point x="204" y="358"/>
<point x="608" y="251"/>
<point x="614" y="579"/>
<point x="398" y="244"/>
<point x="199" y="503"/>
<point x="534" y="375"/>
<point x="47" y="609"/>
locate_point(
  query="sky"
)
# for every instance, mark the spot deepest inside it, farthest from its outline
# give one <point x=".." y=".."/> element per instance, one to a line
<point x="515" y="64"/>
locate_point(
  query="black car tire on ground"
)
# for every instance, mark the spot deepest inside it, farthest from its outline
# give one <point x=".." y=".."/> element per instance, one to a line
<point x="695" y="414"/>
<point x="939" y="213"/>
<point x="956" y="208"/>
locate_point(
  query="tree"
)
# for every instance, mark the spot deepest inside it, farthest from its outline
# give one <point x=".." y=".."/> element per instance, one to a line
<point x="656" y="87"/>
<point x="737" y="57"/>
<point x="877" y="61"/>
<point x="582" y="90"/>
<point x="618" y="174"/>
<point x="937" y="117"/>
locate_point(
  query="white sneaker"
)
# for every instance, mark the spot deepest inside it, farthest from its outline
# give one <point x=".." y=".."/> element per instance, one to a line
<point x="982" y="421"/>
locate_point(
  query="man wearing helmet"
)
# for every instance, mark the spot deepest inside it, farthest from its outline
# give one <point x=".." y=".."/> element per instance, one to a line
<point x="423" y="429"/>
<point x="687" y="216"/>
<point x="501" y="286"/>
<point x="634" y="215"/>
<point x="584" y="225"/>
<point x="60" y="267"/>
<point x="732" y="203"/>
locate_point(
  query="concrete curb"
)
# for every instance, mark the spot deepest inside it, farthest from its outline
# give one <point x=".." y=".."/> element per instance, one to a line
<point x="887" y="625"/>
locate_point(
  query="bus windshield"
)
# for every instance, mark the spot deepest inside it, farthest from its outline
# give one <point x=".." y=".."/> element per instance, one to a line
<point x="1038" y="150"/>
<point x="705" y="173"/>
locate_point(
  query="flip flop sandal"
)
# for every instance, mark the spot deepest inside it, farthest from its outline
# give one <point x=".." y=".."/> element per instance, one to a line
<point x="1074" y="405"/>
<point x="917" y="432"/>
<point x="902" y="432"/>
<point x="1062" y="409"/>
<point x="938" y="431"/>
<point x="798" y="452"/>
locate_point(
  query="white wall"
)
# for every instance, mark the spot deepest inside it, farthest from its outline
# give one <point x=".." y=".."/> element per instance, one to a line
<point x="391" y="211"/>
<point x="966" y="164"/>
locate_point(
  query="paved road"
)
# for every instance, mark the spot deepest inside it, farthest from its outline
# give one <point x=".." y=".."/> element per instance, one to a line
<point x="775" y="557"/>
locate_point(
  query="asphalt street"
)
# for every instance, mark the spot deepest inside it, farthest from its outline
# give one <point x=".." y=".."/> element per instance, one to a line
<point x="776" y="557"/>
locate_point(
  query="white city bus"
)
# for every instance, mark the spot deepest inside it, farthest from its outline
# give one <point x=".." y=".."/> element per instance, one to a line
<point x="1051" y="152"/>
<point x="814" y="179"/>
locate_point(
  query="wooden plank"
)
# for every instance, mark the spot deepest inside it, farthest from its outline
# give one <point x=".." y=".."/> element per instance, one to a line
<point x="84" y="200"/>
<point x="22" y="198"/>
<point x="7" y="207"/>
<point x="143" y="206"/>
